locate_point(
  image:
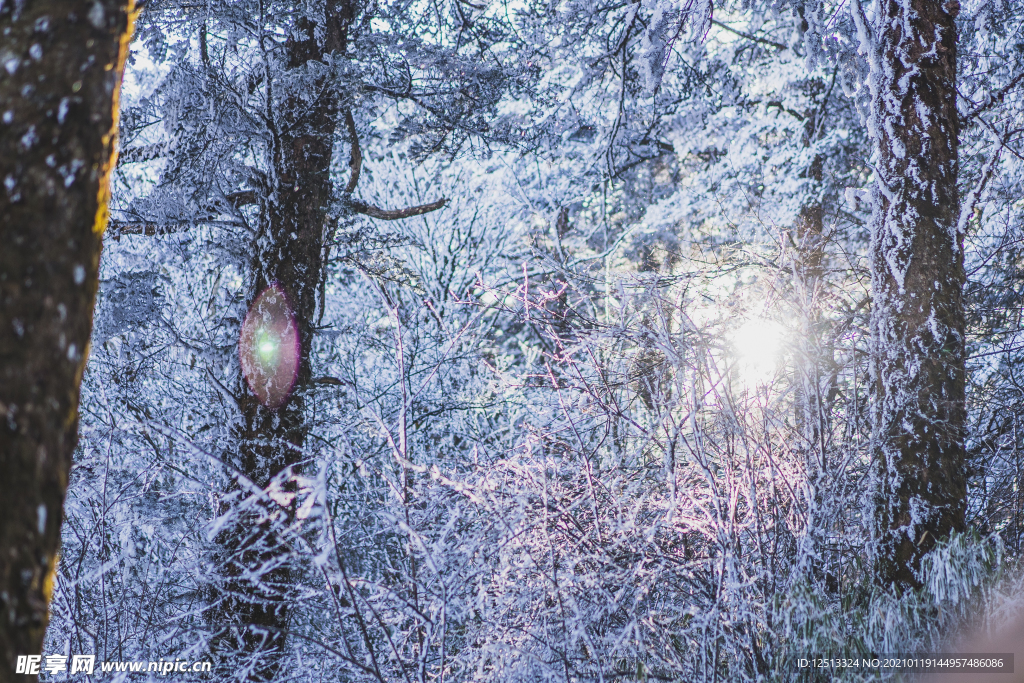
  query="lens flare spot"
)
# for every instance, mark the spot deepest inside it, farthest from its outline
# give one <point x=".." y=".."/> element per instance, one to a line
<point x="268" y="347"/>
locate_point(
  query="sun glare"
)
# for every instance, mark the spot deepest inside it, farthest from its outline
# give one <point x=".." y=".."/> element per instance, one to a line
<point x="757" y="345"/>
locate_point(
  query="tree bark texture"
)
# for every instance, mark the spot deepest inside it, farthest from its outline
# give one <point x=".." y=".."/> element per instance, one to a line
<point x="253" y="612"/>
<point x="59" y="85"/>
<point x="917" y="268"/>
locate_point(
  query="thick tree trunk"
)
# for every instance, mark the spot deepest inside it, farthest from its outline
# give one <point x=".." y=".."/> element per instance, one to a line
<point x="917" y="281"/>
<point x="58" y="144"/>
<point x="253" y="610"/>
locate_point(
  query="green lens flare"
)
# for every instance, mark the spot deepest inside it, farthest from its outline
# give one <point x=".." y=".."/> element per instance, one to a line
<point x="268" y="347"/>
<point x="267" y="350"/>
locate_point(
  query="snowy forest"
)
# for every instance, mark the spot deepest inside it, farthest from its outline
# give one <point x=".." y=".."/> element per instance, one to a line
<point x="510" y="341"/>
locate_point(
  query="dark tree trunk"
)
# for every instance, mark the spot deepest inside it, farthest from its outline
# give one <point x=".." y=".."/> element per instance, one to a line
<point x="815" y="356"/>
<point x="253" y="613"/>
<point x="253" y="606"/>
<point x="917" y="282"/>
<point x="58" y="143"/>
<point x="808" y="271"/>
<point x="810" y="409"/>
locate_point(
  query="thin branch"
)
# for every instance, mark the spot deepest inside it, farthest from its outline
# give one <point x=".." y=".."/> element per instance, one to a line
<point x="243" y="198"/>
<point x="395" y="214"/>
<point x="975" y="194"/>
<point x="153" y="228"/>
<point x="994" y="98"/>
<point x="355" y="161"/>
<point x="792" y="112"/>
<point x="865" y="36"/>
<point x="136" y="155"/>
<point x="355" y="165"/>
<point x="749" y="36"/>
<point x="147" y="228"/>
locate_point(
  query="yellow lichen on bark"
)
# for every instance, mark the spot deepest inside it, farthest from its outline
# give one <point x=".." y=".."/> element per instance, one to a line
<point x="50" y="578"/>
<point x="110" y="137"/>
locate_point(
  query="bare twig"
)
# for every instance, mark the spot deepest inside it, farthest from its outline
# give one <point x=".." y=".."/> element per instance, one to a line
<point x="993" y="98"/>
<point x="136" y="155"/>
<point x="971" y="201"/>
<point x="749" y="36"/>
